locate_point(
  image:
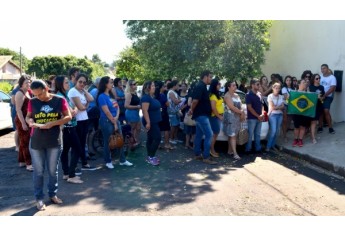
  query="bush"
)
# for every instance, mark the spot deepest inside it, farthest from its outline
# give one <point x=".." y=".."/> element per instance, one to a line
<point x="6" y="87"/>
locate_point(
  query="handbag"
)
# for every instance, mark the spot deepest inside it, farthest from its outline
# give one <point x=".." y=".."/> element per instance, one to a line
<point x="242" y="137"/>
<point x="188" y="120"/>
<point x="115" y="140"/>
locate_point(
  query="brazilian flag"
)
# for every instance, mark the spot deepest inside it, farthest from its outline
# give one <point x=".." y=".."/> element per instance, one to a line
<point x="302" y="103"/>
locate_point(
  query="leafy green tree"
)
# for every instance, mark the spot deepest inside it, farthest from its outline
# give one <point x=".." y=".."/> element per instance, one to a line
<point x="184" y="48"/>
<point x="16" y="57"/>
<point x="55" y="65"/>
<point x="129" y="65"/>
<point x="174" y="48"/>
<point x="96" y="59"/>
<point x="6" y="87"/>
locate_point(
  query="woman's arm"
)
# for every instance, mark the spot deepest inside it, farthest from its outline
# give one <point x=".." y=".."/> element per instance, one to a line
<point x="128" y="98"/>
<point x="145" y="109"/>
<point x="174" y="98"/>
<point x="231" y="106"/>
<point x="88" y="96"/>
<point x="77" y="102"/>
<point x="19" y="101"/>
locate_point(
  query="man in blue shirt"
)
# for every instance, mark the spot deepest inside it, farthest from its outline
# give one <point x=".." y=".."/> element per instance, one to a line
<point x="255" y="115"/>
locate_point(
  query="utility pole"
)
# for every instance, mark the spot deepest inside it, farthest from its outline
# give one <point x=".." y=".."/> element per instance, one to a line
<point x="20" y="60"/>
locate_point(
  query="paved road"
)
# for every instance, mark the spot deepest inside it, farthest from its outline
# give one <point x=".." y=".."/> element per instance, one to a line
<point x="272" y="184"/>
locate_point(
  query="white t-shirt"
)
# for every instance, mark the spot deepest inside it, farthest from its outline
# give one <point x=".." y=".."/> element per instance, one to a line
<point x="72" y="93"/>
<point x="327" y="82"/>
<point x="286" y="90"/>
<point x="277" y="101"/>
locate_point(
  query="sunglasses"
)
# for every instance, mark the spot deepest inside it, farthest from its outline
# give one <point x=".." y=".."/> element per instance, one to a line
<point x="82" y="82"/>
<point x="316" y="78"/>
<point x="307" y="76"/>
<point x="133" y="84"/>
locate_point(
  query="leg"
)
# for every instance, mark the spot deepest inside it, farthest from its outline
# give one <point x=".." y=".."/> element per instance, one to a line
<point x="38" y="162"/>
<point x="75" y="153"/>
<point x="107" y="129"/>
<point x="52" y="159"/>
<point x="203" y="124"/>
<point x="251" y="127"/>
<point x="257" y="132"/>
<point x="66" y="139"/>
<point x="155" y="136"/>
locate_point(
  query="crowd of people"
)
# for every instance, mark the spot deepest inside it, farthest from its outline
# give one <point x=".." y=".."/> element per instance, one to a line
<point x="52" y="118"/>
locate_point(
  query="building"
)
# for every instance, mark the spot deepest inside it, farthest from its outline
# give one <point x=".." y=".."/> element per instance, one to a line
<point x="9" y="71"/>
<point x="305" y="45"/>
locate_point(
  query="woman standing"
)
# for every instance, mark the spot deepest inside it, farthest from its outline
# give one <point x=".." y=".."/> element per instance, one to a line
<point x="22" y="98"/>
<point x="275" y="115"/>
<point x="119" y="95"/>
<point x="151" y="117"/>
<point x="233" y="116"/>
<point x="70" y="137"/>
<point x="81" y="98"/>
<point x="46" y="112"/>
<point x="217" y="113"/>
<point x="132" y="105"/>
<point x="164" y="125"/>
<point x="109" y="120"/>
<point x="286" y="93"/>
<point x="320" y="90"/>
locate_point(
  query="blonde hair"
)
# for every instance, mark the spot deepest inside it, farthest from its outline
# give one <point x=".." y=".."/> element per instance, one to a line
<point x="128" y="87"/>
<point x="275" y="85"/>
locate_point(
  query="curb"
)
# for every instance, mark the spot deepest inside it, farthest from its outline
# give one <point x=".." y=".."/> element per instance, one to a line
<point x="320" y="163"/>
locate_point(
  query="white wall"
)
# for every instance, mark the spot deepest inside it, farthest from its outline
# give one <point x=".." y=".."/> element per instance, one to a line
<point x="305" y="45"/>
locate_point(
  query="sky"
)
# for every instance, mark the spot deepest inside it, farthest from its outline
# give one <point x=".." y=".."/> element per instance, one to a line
<point x="61" y="38"/>
<point x="68" y="27"/>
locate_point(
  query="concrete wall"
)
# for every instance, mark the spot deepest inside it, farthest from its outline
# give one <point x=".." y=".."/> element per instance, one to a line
<point x="305" y="45"/>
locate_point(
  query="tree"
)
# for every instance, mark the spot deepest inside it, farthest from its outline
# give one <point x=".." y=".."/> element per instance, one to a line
<point x="96" y="59"/>
<point x="184" y="48"/>
<point x="129" y="65"/>
<point x="55" y="65"/>
<point x="174" y="48"/>
<point x="16" y="57"/>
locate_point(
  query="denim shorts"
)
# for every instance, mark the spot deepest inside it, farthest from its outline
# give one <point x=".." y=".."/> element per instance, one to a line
<point x="174" y="120"/>
<point x="132" y="116"/>
<point x="215" y="124"/>
<point x="327" y="103"/>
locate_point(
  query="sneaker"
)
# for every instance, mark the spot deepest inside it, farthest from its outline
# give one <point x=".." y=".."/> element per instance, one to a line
<point x="300" y="143"/>
<point x="295" y="142"/>
<point x="172" y="142"/>
<point x="109" y="165"/>
<point x="319" y="130"/>
<point x="214" y="154"/>
<point x="152" y="160"/>
<point x="331" y="131"/>
<point x="40" y="205"/>
<point x="178" y="141"/>
<point x="29" y="168"/>
<point x="88" y="167"/>
<point x="210" y="162"/>
<point x="75" y="180"/>
<point x="65" y="177"/>
<point x="126" y="163"/>
<point x="77" y="171"/>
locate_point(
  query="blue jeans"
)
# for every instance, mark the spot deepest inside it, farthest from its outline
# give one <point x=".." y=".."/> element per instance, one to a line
<point x="41" y="158"/>
<point x="107" y="129"/>
<point x="275" y="121"/>
<point x="254" y="128"/>
<point x="203" y="127"/>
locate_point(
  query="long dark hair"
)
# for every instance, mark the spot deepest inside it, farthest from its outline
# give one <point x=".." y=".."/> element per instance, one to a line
<point x="102" y="86"/>
<point x="147" y="87"/>
<point x="158" y="85"/>
<point x="59" y="81"/>
<point x="213" y="88"/>
<point x="227" y="84"/>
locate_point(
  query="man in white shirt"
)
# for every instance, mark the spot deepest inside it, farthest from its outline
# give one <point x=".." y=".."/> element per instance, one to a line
<point x="329" y="82"/>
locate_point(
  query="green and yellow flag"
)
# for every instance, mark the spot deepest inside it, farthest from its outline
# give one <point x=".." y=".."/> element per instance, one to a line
<point x="302" y="103"/>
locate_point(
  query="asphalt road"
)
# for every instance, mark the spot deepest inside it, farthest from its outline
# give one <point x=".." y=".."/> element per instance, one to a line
<point x="272" y="184"/>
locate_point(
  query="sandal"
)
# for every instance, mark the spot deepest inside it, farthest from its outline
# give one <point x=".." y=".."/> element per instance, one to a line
<point x="169" y="147"/>
<point x="237" y="157"/>
<point x="56" y="200"/>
